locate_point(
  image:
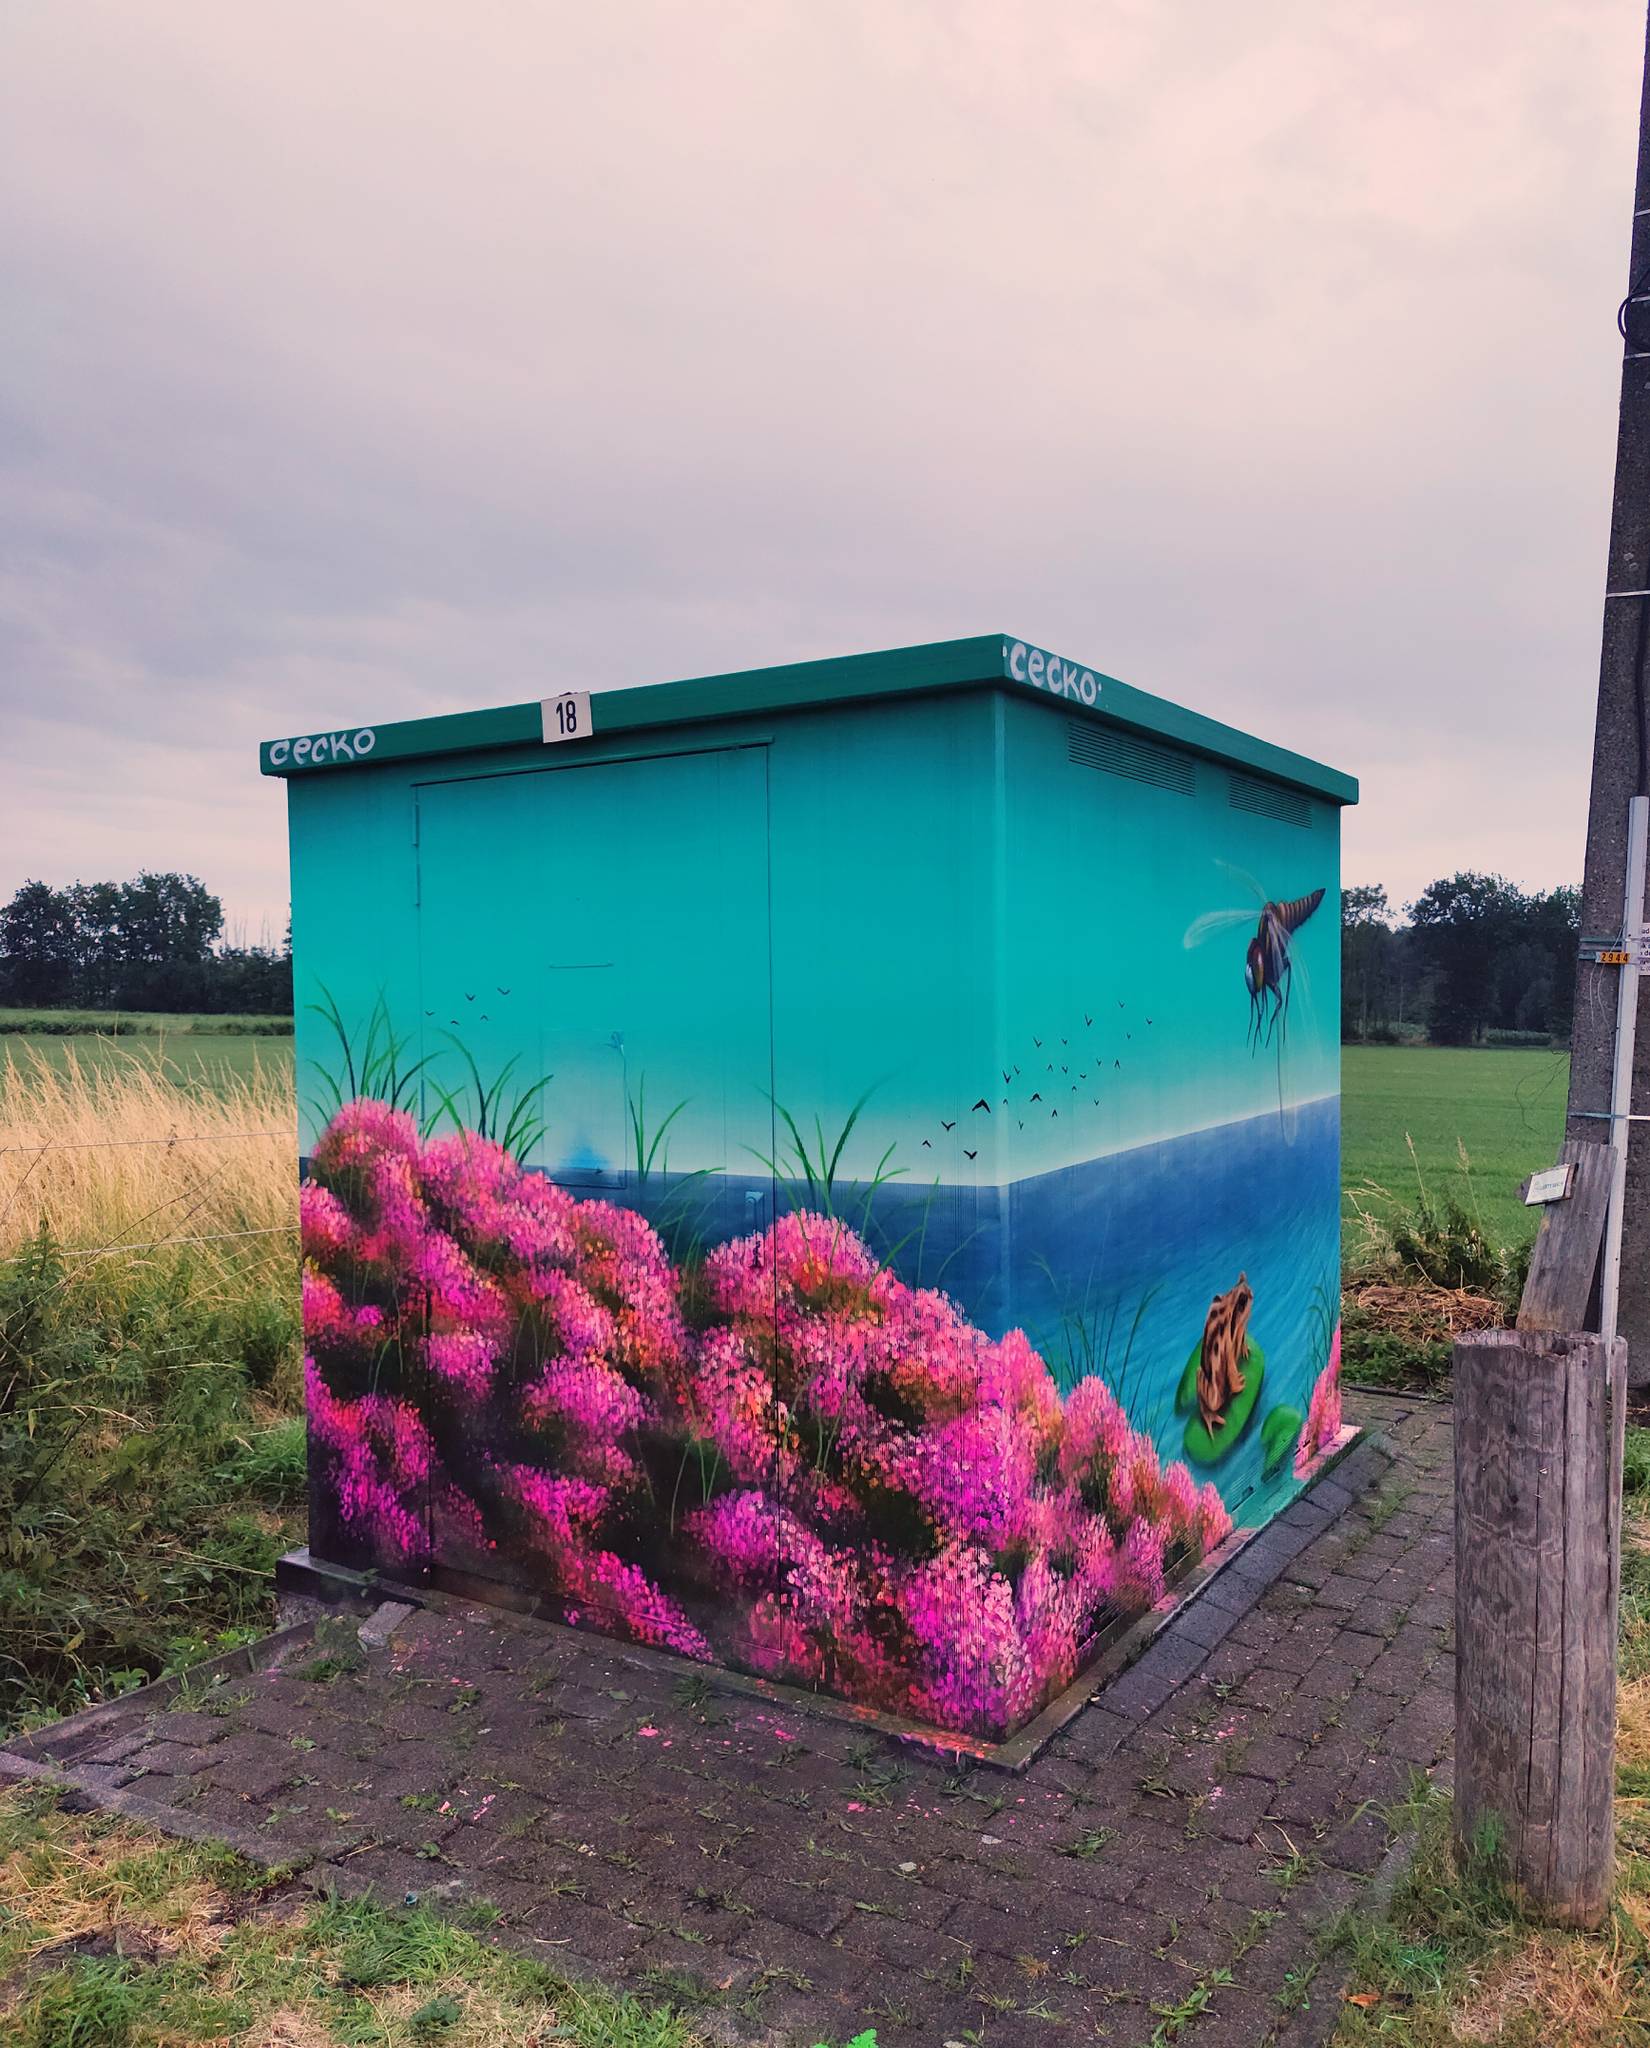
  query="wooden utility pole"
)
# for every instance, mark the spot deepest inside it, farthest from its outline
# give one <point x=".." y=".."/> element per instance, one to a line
<point x="1621" y="770"/>
<point x="1540" y="1410"/>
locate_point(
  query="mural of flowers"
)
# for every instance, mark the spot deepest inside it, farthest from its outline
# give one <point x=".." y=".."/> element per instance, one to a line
<point x="780" y="1457"/>
<point x="1323" y="1414"/>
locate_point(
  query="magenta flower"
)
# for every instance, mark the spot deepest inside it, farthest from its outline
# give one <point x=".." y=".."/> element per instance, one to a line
<point x="564" y="1518"/>
<point x="380" y="1457"/>
<point x="973" y="1667"/>
<point x="1323" y="1414"/>
<point x="1140" y="1568"/>
<point x="326" y="1228"/>
<point x="592" y="1412"/>
<point x="1214" y="1523"/>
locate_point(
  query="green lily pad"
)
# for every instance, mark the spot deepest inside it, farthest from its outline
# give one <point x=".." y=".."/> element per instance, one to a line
<point x="1202" y="1447"/>
<point x="1279" y="1434"/>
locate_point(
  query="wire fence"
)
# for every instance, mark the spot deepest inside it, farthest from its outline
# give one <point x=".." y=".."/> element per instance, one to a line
<point x="43" y="1149"/>
<point x="117" y="1144"/>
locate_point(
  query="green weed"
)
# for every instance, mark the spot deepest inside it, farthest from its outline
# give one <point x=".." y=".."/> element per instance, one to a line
<point x="140" y="1498"/>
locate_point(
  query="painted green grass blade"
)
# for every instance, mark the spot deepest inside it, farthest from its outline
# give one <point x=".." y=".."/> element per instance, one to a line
<point x="327" y="1009"/>
<point x="956" y="1251"/>
<point x="636" y="1109"/>
<point x="918" y="1232"/>
<point x="657" y="1148"/>
<point x="524" y="1128"/>
<point x="450" y="1107"/>
<point x="495" y="1094"/>
<point x="804" y="1163"/>
<point x="376" y="1062"/>
<point x="318" y="1105"/>
<point x="402" y="1085"/>
<point x="879" y="1179"/>
<point x="844" y="1135"/>
<point x="662" y="1133"/>
<point x="478" y="1122"/>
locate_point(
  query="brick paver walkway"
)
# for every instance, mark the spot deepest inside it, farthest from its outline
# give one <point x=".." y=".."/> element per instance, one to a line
<point x="1161" y="1873"/>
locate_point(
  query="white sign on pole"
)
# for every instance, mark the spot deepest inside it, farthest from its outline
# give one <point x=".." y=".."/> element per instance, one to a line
<point x="1552" y="1184"/>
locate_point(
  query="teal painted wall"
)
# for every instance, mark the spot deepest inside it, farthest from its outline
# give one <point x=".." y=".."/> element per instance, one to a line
<point x="943" y="881"/>
<point x="880" y="870"/>
<point x="1107" y="877"/>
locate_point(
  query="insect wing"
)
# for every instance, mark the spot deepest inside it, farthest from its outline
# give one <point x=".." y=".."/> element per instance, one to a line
<point x="1213" y="922"/>
<point x="1243" y="875"/>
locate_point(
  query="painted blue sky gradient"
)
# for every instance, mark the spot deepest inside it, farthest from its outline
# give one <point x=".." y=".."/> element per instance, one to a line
<point x="363" y="363"/>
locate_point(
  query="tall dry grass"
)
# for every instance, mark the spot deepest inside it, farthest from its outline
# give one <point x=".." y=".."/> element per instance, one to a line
<point x="151" y="1452"/>
<point x="119" y="1153"/>
<point x="127" y="1171"/>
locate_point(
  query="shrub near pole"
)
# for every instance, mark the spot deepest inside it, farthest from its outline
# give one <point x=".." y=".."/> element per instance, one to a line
<point x="1538" y="1434"/>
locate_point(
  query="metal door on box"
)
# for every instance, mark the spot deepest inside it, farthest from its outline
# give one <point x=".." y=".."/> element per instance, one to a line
<point x="596" y="998"/>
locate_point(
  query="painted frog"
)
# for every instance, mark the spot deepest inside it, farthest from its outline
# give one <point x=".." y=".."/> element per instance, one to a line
<point x="1225" y="1347"/>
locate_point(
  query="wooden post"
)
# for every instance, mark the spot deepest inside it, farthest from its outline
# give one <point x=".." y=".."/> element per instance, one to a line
<point x="1538" y="1435"/>
<point x="1561" y="1292"/>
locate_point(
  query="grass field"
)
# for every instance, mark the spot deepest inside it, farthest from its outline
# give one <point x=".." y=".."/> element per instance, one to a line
<point x="112" y="1936"/>
<point x="192" y="1052"/>
<point x="1502" y="1110"/>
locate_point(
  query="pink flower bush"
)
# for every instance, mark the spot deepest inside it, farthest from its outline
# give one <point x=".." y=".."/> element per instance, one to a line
<point x="831" y="1477"/>
<point x="380" y="1457"/>
<point x="1323" y="1414"/>
<point x="564" y="1521"/>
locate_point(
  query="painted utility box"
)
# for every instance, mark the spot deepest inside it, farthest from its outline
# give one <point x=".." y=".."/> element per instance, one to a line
<point x="832" y="1170"/>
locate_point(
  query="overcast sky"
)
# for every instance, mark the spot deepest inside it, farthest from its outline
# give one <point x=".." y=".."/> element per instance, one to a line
<point x="366" y="361"/>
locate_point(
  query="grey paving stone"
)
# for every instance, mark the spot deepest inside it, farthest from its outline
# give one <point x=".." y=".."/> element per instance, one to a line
<point x="1205" y="1624"/>
<point x="380" y="1626"/>
<point x="1292" y="1697"/>
<point x="168" y="1759"/>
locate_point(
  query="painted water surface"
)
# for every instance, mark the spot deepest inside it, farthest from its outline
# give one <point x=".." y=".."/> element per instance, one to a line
<point x="1128" y="1254"/>
<point x="1110" y="1267"/>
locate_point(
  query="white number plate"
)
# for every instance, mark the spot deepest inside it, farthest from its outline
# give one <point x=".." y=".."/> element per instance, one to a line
<point x="566" y="717"/>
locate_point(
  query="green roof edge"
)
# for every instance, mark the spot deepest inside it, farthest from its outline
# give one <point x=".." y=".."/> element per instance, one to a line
<point x="986" y="660"/>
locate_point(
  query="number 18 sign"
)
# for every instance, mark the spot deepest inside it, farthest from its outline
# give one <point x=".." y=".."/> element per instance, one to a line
<point x="566" y="717"/>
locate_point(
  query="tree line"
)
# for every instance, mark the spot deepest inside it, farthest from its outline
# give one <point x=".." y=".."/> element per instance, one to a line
<point x="153" y="943"/>
<point x="1473" y="958"/>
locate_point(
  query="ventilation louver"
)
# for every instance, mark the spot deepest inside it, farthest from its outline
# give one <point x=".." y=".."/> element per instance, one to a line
<point x="1124" y="753"/>
<point x="1269" y="800"/>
